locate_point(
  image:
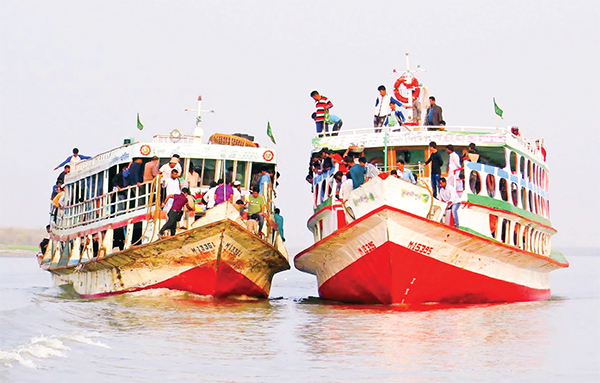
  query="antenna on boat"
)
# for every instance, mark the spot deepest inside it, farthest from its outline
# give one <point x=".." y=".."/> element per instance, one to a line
<point x="198" y="131"/>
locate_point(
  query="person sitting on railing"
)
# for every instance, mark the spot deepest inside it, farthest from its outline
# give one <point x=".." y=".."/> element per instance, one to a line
<point x="448" y="194"/>
<point x="404" y="173"/>
<point x="177" y="202"/>
<point x="257" y="208"/>
<point x="172" y="187"/>
<point x="61" y="176"/>
<point x="74" y="159"/>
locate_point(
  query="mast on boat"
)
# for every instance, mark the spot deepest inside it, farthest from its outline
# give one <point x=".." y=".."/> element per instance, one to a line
<point x="198" y="131"/>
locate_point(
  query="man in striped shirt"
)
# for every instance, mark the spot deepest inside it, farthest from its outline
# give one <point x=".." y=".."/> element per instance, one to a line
<point x="323" y="105"/>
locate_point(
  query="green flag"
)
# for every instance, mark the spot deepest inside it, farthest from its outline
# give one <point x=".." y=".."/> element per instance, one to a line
<point x="140" y="126"/>
<point x="270" y="132"/>
<point x="497" y="109"/>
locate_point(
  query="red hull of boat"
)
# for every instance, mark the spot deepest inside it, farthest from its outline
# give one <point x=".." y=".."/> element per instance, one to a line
<point x="221" y="282"/>
<point x="394" y="274"/>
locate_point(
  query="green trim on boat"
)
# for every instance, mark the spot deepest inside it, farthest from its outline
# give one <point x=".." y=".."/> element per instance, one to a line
<point x="327" y="202"/>
<point x="558" y="256"/>
<point x="502" y="205"/>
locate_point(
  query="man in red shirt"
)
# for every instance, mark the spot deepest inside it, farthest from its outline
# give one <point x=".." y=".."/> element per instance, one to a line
<point x="174" y="215"/>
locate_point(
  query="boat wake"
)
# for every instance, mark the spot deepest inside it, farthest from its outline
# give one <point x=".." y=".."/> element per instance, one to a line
<point x="46" y="347"/>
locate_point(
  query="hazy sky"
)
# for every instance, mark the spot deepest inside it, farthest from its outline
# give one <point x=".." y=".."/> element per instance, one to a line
<point x="75" y="73"/>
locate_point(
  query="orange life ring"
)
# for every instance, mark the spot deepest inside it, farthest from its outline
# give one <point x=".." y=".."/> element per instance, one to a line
<point x="413" y="84"/>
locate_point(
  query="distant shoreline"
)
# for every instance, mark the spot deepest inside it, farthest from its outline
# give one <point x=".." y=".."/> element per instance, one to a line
<point x="17" y="253"/>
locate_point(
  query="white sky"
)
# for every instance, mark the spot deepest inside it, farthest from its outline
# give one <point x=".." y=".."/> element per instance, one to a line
<point x="75" y="73"/>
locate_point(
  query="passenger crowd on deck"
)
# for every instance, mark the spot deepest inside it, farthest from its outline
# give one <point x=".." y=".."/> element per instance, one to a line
<point x="132" y="183"/>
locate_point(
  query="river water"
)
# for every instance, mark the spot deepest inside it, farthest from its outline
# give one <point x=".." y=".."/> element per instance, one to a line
<point x="48" y="335"/>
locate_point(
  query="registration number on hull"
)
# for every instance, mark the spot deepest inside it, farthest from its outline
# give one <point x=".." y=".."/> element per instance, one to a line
<point x="419" y="248"/>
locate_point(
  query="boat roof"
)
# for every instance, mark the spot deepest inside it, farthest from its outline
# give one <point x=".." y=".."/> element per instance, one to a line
<point x="418" y="137"/>
<point x="165" y="146"/>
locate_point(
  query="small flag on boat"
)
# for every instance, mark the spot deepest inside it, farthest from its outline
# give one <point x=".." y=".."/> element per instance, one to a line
<point x="270" y="132"/>
<point x="140" y="126"/>
<point x="497" y="109"/>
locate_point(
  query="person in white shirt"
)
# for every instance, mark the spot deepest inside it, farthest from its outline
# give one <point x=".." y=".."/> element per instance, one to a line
<point x="453" y="164"/>
<point x="382" y="108"/>
<point x="371" y="170"/>
<point x="209" y="196"/>
<point x="346" y="189"/>
<point x="448" y="194"/>
<point x="405" y="174"/>
<point x="172" y="187"/>
<point x="165" y="170"/>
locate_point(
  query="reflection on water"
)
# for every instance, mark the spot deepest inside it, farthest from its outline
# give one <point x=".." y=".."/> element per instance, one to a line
<point x="160" y="335"/>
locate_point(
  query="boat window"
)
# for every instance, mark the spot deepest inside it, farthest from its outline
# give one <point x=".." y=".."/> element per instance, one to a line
<point x="514" y="193"/>
<point x="503" y="189"/>
<point x="493" y="225"/>
<point x="516" y="234"/>
<point x="525" y="238"/>
<point x="490" y="185"/>
<point x="208" y="171"/>
<point x="522" y="166"/>
<point x="475" y="182"/>
<point x="529" y="165"/>
<point x="505" y="234"/>
<point x="531" y="202"/>
<point x="240" y="172"/>
<point x="494" y="156"/>
<point x="513" y="162"/>
<point x="523" y="198"/>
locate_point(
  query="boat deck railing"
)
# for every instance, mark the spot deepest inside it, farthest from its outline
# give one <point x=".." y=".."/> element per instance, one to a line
<point x="116" y="203"/>
<point x="405" y="129"/>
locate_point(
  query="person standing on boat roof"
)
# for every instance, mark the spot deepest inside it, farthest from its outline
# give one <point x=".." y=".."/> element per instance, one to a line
<point x="453" y="165"/>
<point x="436" y="167"/>
<point x="74" y="159"/>
<point x="177" y="202"/>
<point x="323" y="105"/>
<point x="172" y="187"/>
<point x="448" y="194"/>
<point x="434" y="114"/>
<point x="404" y="173"/>
<point x="382" y="107"/>
<point x="61" y="176"/>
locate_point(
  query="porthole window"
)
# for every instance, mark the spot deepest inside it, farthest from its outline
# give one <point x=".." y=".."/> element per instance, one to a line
<point x="503" y="189"/>
<point x="475" y="182"/>
<point x="516" y="234"/>
<point x="514" y="193"/>
<point x="493" y="225"/>
<point x="522" y="167"/>
<point x="513" y="162"/>
<point x="490" y="185"/>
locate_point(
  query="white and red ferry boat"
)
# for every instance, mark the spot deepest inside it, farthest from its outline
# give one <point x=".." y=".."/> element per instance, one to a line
<point x="102" y="244"/>
<point x="387" y="244"/>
